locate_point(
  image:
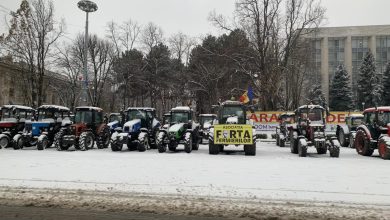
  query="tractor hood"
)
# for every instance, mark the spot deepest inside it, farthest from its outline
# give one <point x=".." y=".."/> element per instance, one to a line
<point x="176" y="127"/>
<point x="8" y="124"/>
<point x="207" y="125"/>
<point x="38" y="126"/>
<point x="132" y="126"/>
<point x="112" y="125"/>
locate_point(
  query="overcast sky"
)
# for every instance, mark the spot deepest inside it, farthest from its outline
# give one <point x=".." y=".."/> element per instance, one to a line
<point x="190" y="16"/>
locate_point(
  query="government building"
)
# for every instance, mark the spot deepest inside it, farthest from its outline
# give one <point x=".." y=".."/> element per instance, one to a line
<point x="332" y="46"/>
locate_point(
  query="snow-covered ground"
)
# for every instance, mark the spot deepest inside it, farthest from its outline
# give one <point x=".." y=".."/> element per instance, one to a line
<point x="273" y="174"/>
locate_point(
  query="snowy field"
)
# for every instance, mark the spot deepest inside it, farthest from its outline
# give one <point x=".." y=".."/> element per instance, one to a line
<point x="273" y="174"/>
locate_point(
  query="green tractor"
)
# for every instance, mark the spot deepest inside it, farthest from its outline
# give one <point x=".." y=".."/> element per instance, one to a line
<point x="181" y="130"/>
<point x="232" y="128"/>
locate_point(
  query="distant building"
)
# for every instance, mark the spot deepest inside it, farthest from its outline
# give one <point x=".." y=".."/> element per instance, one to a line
<point x="13" y="90"/>
<point x="332" y="46"/>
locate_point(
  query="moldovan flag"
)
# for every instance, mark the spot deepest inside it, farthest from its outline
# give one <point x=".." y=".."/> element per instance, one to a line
<point x="244" y="98"/>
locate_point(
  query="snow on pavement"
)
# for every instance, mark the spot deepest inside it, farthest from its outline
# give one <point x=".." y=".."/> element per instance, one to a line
<point x="273" y="174"/>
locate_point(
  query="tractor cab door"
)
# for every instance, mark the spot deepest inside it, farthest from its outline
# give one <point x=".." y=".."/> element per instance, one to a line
<point x="98" y="119"/>
<point x="370" y="120"/>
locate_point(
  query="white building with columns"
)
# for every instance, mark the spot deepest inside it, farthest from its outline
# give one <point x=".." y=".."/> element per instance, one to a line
<point x="333" y="46"/>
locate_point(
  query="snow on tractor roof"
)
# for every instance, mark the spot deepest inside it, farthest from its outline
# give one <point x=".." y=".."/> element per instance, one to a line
<point x="207" y="115"/>
<point x="310" y="107"/>
<point x="90" y="108"/>
<point x="141" y="108"/>
<point x="355" y="115"/>
<point x="382" y="108"/>
<point x="59" y="107"/>
<point x="288" y="114"/>
<point x="18" y="107"/>
<point x="181" y="108"/>
<point x="231" y="103"/>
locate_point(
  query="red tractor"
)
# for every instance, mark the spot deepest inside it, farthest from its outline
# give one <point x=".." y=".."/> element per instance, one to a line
<point x="374" y="133"/>
<point x="89" y="126"/>
<point x="309" y="130"/>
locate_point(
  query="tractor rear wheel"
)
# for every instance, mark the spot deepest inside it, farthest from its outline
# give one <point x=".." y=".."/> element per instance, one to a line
<point x="342" y="139"/>
<point x="4" y="141"/>
<point x="362" y="144"/>
<point x="383" y="149"/>
<point x="116" y="146"/>
<point x="17" y="142"/>
<point x="103" y="139"/>
<point x="58" y="141"/>
<point x="250" y="150"/>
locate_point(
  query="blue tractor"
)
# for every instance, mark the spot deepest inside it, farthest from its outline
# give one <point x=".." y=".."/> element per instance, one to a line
<point x="41" y="133"/>
<point x="114" y="121"/>
<point x="139" y="131"/>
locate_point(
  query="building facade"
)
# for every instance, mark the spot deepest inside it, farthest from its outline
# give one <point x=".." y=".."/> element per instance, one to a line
<point x="332" y="46"/>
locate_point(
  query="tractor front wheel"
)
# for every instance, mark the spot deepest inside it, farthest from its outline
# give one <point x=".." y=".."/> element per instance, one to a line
<point x="4" y="141"/>
<point x="86" y="141"/>
<point x="188" y="144"/>
<point x="213" y="148"/>
<point x="43" y="142"/>
<point x="103" y="139"/>
<point x="302" y="147"/>
<point x="58" y="141"/>
<point x="362" y="144"/>
<point x="17" y="142"/>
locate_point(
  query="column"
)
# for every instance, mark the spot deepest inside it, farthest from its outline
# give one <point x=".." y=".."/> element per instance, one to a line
<point x="372" y="45"/>
<point x="325" y="68"/>
<point x="348" y="57"/>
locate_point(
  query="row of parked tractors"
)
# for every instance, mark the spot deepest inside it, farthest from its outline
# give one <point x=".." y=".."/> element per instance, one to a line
<point x="306" y="127"/>
<point x="137" y="128"/>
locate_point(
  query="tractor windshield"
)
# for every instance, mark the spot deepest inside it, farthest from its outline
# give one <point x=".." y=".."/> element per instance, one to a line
<point x="383" y="118"/>
<point x="357" y="121"/>
<point x="233" y="111"/>
<point x="206" y="119"/>
<point x="136" y="114"/>
<point x="46" y="113"/>
<point x="83" y="117"/>
<point x="6" y="113"/>
<point x="114" y="118"/>
<point x="167" y="119"/>
<point x="180" y="117"/>
<point x="286" y="119"/>
<point x="313" y="114"/>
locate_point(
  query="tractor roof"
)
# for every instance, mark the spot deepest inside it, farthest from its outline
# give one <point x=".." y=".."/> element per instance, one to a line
<point x="231" y="103"/>
<point x="115" y="113"/>
<point x="89" y="108"/>
<point x="181" y="109"/>
<point x="310" y="107"/>
<point x="167" y="114"/>
<point x="18" y="107"/>
<point x="207" y="115"/>
<point x="141" y="108"/>
<point x="57" y="107"/>
<point x="355" y="115"/>
<point x="288" y="114"/>
<point x="382" y="109"/>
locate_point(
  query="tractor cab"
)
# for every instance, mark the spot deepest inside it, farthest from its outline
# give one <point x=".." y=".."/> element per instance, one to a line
<point x="143" y="116"/>
<point x="166" y="120"/>
<point x="181" y="115"/>
<point x="206" y="120"/>
<point x="286" y="119"/>
<point x="114" y="121"/>
<point x="377" y="121"/>
<point x="310" y="116"/>
<point x="232" y="112"/>
<point x="13" y="118"/>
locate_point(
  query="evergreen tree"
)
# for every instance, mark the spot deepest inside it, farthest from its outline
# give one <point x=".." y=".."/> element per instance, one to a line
<point x="370" y="89"/>
<point x="340" y="91"/>
<point x="316" y="96"/>
<point x="386" y="86"/>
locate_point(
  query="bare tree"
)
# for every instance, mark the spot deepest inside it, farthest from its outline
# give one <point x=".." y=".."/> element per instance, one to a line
<point x="32" y="34"/>
<point x="274" y="36"/>
<point x="124" y="36"/>
<point x="152" y="35"/>
<point x="181" y="46"/>
<point x="101" y="60"/>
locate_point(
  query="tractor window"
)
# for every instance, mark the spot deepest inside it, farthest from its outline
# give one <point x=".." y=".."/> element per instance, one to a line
<point x="44" y="114"/>
<point x="114" y="118"/>
<point x="180" y="117"/>
<point x="83" y="117"/>
<point x="230" y="111"/>
<point x="135" y="114"/>
<point x="6" y="113"/>
<point x="204" y="120"/>
<point x="150" y="115"/>
<point x="98" y="117"/>
<point x="22" y="113"/>
<point x="357" y="121"/>
<point x="383" y="118"/>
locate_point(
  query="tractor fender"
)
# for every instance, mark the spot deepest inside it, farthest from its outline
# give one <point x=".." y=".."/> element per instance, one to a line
<point x="187" y="136"/>
<point x="343" y="127"/>
<point x="365" y="129"/>
<point x="161" y="135"/>
<point x="142" y="136"/>
<point x="7" y="133"/>
<point x="100" y="128"/>
<point x="386" y="138"/>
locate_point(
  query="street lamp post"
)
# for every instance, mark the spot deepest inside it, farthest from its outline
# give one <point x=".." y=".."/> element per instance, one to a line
<point x="87" y="6"/>
<point x="363" y="105"/>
